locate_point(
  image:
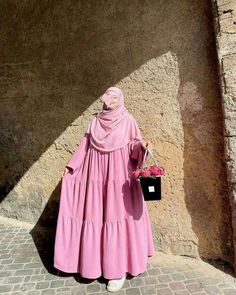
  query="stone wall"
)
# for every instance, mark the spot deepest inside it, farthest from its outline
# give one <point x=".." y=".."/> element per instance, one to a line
<point x="58" y="57"/>
<point x="225" y="30"/>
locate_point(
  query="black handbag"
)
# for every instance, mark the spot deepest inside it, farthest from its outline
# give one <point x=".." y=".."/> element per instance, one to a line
<point x="150" y="185"/>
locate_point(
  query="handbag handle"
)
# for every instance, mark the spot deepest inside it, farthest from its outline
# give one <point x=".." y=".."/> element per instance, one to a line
<point x="145" y="155"/>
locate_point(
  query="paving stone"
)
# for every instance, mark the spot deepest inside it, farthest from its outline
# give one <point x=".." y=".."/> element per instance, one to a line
<point x="93" y="288"/>
<point x="48" y="292"/>
<point x="154" y="271"/>
<point x="7" y="261"/>
<point x="23" y="272"/>
<point x="164" y="278"/>
<point x="136" y="281"/>
<point x="190" y="281"/>
<point x="5" y="288"/>
<point x="194" y="287"/>
<point x="33" y="265"/>
<point x="150" y="280"/>
<point x="177" y="276"/>
<point x="64" y="289"/>
<point x="167" y="269"/>
<point x="192" y="274"/>
<point x="224" y="285"/>
<point x="159" y="286"/>
<point x="14" y="266"/>
<point x="22" y="259"/>
<point x="71" y="282"/>
<point x="26" y="287"/>
<point x="35" y="259"/>
<point x="37" y="271"/>
<point x="133" y="291"/>
<point x="43" y="270"/>
<point x="208" y="280"/>
<point x="16" y="287"/>
<point x="156" y="263"/>
<point x="176" y="286"/>
<point x="36" y="278"/>
<point x="42" y="285"/>
<point x="6" y="273"/>
<point x="165" y="291"/>
<point x="182" y="292"/>
<point x="5" y="256"/>
<point x="56" y="284"/>
<point x="213" y="290"/>
<point x="50" y="277"/>
<point x="12" y="280"/>
<point x="78" y="291"/>
<point x="148" y="290"/>
<point x="27" y="278"/>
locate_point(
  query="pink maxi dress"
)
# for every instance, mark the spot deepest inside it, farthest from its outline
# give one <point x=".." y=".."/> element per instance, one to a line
<point x="103" y="225"/>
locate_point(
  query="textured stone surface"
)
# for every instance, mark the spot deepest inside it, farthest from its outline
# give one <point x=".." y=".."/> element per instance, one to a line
<point x="225" y="28"/>
<point x="56" y="60"/>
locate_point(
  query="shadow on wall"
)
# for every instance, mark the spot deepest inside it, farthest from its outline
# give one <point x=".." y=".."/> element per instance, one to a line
<point x="58" y="57"/>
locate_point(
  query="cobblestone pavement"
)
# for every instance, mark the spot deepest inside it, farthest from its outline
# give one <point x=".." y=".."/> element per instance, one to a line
<point x="26" y="267"/>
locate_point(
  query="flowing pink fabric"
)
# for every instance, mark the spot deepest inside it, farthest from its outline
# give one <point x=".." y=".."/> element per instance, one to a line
<point x="103" y="225"/>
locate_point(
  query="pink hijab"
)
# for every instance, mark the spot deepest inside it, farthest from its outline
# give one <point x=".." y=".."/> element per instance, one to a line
<point x="112" y="129"/>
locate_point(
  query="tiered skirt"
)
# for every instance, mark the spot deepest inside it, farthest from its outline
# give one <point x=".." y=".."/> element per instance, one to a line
<point x="103" y="226"/>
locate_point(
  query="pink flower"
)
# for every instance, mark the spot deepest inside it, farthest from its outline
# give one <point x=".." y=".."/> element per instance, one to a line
<point x="145" y="172"/>
<point x="156" y="170"/>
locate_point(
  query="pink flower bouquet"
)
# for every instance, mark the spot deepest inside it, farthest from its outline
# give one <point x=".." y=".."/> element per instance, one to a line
<point x="151" y="171"/>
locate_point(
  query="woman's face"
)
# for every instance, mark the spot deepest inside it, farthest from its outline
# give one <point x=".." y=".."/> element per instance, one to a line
<point x="110" y="99"/>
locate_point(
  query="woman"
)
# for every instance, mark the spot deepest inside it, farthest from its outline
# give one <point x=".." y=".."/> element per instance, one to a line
<point x="103" y="225"/>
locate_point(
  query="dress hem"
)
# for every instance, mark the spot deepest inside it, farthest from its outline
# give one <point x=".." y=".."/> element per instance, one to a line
<point x="102" y="274"/>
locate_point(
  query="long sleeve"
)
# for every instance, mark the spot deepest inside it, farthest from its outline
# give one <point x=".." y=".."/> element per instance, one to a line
<point x="135" y="148"/>
<point x="78" y="156"/>
<point x="137" y="151"/>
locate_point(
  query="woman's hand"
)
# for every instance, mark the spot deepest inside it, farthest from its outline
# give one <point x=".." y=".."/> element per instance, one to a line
<point x="146" y="144"/>
<point x="65" y="171"/>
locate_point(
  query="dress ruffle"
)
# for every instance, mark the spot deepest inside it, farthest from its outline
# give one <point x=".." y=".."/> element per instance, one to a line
<point x="103" y="226"/>
<point x="110" y="249"/>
